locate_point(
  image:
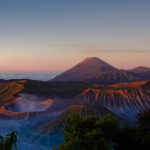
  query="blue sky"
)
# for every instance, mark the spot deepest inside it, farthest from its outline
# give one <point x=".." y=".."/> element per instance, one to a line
<point x="52" y="35"/>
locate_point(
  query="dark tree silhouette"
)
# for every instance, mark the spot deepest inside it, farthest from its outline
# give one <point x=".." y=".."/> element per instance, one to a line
<point x="9" y="142"/>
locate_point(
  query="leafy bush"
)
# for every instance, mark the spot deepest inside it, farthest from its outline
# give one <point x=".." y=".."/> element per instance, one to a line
<point x="107" y="134"/>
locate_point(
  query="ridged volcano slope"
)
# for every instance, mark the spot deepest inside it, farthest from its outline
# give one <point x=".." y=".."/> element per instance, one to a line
<point x="124" y="99"/>
<point x="8" y="90"/>
<point x="118" y="76"/>
<point x="83" y="110"/>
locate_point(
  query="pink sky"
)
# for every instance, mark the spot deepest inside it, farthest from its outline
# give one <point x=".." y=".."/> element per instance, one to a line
<point x="60" y="61"/>
<point x="51" y="35"/>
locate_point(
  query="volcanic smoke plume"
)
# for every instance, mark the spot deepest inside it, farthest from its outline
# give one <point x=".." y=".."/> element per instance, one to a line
<point x="30" y="103"/>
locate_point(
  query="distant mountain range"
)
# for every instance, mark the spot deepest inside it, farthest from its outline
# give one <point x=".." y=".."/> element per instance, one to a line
<point x="97" y="70"/>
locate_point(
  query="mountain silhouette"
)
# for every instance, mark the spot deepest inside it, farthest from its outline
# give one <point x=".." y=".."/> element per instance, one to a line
<point x="118" y="76"/>
<point x="140" y="69"/>
<point x="96" y="70"/>
<point x="87" y="69"/>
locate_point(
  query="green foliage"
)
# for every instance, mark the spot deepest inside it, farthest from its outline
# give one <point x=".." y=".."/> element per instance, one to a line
<point x="126" y="138"/>
<point x="109" y="126"/>
<point x="143" y="130"/>
<point x="107" y="134"/>
<point x="144" y="121"/>
<point x="83" y="134"/>
<point x="135" y="137"/>
<point x="1" y="142"/>
<point x="9" y="142"/>
<point x="90" y="133"/>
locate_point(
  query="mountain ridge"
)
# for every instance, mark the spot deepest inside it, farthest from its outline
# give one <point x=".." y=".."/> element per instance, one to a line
<point x="94" y="69"/>
<point x="140" y="69"/>
<point x="89" y="68"/>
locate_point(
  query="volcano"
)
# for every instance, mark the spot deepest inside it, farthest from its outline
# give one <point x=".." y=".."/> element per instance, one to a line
<point x="87" y="69"/>
<point x="96" y="70"/>
<point x="83" y="110"/>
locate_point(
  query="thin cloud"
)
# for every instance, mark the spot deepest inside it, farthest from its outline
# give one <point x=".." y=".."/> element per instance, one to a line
<point x="116" y="51"/>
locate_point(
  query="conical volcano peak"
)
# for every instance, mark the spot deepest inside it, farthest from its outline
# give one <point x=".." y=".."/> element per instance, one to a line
<point x="87" y="69"/>
<point x="94" y="61"/>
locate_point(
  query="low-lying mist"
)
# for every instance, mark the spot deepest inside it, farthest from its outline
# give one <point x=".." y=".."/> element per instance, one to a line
<point x="30" y="103"/>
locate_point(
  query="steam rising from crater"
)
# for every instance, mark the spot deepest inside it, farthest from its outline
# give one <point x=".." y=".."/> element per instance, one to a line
<point x="30" y="103"/>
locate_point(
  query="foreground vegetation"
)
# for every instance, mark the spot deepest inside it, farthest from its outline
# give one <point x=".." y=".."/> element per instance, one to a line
<point x="90" y="133"/>
<point x="107" y="134"/>
<point x="9" y="142"/>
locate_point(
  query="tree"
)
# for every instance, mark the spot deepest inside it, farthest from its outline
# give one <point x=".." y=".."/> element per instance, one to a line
<point x="126" y="138"/>
<point x="83" y="134"/>
<point x="109" y="126"/>
<point x="135" y="137"/>
<point x="1" y="142"/>
<point x="9" y="142"/>
<point x="143" y="130"/>
<point x="90" y="133"/>
<point x="144" y="121"/>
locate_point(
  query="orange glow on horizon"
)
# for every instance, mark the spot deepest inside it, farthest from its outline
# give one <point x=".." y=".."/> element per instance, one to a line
<point x="64" y="62"/>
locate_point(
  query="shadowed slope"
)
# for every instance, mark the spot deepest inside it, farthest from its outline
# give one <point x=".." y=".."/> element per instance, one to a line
<point x="140" y="69"/>
<point x="118" y="76"/>
<point x="142" y="72"/>
<point x="51" y="131"/>
<point x="97" y="111"/>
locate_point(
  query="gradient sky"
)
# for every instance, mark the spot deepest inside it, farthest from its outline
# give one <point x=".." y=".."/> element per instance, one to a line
<point x="53" y="35"/>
